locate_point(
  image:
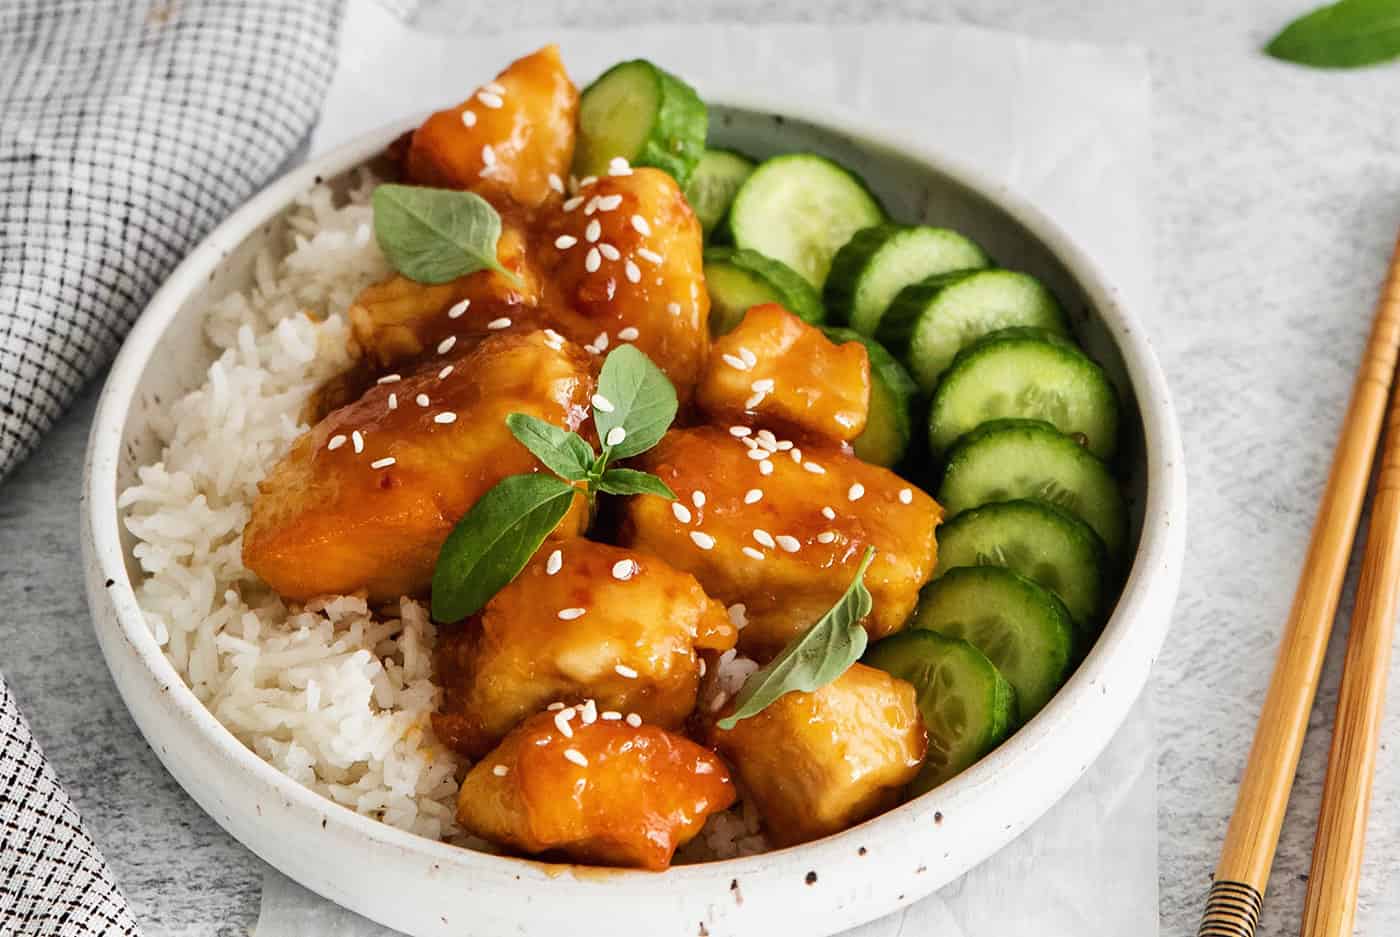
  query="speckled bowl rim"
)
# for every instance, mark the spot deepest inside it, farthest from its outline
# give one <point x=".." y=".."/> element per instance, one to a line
<point x="1089" y="708"/>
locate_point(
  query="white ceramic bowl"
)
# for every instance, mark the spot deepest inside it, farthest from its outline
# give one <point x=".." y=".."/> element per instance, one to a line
<point x="429" y="888"/>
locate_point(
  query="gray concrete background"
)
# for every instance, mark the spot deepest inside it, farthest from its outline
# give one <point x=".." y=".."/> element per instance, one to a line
<point x="1277" y="196"/>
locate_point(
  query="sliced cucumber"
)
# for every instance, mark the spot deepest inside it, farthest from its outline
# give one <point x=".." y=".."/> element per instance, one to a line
<point x="888" y="428"/>
<point x="1027" y="373"/>
<point x="643" y="114"/>
<point x="929" y="322"/>
<point x="800" y="209"/>
<point x="967" y="706"/>
<point x="876" y="263"/>
<point x="1022" y="628"/>
<point x="713" y="183"/>
<point x="1007" y="459"/>
<point x="738" y="280"/>
<point x="1037" y="540"/>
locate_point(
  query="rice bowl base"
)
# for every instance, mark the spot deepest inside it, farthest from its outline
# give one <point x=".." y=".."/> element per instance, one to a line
<point x="422" y="886"/>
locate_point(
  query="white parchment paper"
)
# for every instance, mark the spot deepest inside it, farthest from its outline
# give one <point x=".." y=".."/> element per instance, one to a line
<point x="1066" y="124"/>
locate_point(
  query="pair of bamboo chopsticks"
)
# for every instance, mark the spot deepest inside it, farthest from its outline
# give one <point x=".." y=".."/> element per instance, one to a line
<point x="1236" y="897"/>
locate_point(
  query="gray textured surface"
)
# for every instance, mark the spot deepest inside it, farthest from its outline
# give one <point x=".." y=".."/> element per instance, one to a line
<point x="1278" y="193"/>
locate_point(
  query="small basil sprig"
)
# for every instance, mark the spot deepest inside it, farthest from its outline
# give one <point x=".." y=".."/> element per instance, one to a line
<point x="437" y="235"/>
<point x="813" y="659"/>
<point x="1348" y="34"/>
<point x="493" y="541"/>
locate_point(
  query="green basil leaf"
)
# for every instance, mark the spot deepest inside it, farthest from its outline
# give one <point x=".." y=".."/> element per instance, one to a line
<point x="642" y="399"/>
<point x="1348" y="34"/>
<point x="436" y="235"/>
<point x="562" y="452"/>
<point x="625" y="481"/>
<point x="494" y="540"/>
<point x="815" y="658"/>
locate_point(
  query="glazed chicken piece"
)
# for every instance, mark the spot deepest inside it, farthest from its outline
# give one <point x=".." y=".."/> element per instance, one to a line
<point x="778" y="370"/>
<point x="604" y="792"/>
<point x="582" y="620"/>
<point x="514" y="137"/>
<point x="365" y="498"/>
<point x="817" y="763"/>
<point x="785" y="544"/>
<point x="623" y="257"/>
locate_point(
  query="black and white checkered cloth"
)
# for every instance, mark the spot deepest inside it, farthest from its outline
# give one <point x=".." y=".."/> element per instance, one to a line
<point x="128" y="129"/>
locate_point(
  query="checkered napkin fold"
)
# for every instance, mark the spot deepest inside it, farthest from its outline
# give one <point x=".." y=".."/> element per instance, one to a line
<point x="128" y="129"/>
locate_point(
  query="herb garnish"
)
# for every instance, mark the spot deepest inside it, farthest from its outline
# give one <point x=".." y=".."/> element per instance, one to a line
<point x="437" y="235"/>
<point x="1348" y="34"/>
<point x="816" y="657"/>
<point x="491" y="544"/>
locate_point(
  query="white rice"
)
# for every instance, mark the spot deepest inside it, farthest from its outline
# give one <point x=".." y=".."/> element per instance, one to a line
<point x="328" y="693"/>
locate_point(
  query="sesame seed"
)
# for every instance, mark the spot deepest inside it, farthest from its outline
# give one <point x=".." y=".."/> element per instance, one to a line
<point x="784" y="445"/>
<point x="624" y="569"/>
<point x="739" y="432"/>
<point x="601" y="341"/>
<point x="681" y="511"/>
<point x="553" y="336"/>
<point x="496" y="325"/>
<point x="495" y="87"/>
<point x="446" y="344"/>
<point x="748" y="356"/>
<point x="469" y="118"/>
<point x="649" y="255"/>
<point x="624" y="671"/>
<point x="697" y="498"/>
<point x="383" y="463"/>
<point x="639" y="224"/>
<point x="634" y="720"/>
<point x="588" y="713"/>
<point x="389" y="379"/>
<point x="828" y="513"/>
<point x="602" y="403"/>
<point x="759" y="454"/>
<point x="788" y="543"/>
<point x="593" y="231"/>
<point x="586" y="181"/>
<point x="569" y="614"/>
<point x="610" y="715"/>
<point x="906" y="496"/>
<point x="457" y="310"/>
<point x="629" y="334"/>
<point x="826" y="536"/>
<point x="443" y="374"/>
<point x="573" y="203"/>
<point x="554" y="563"/>
<point x="734" y="362"/>
<point x="762" y="386"/>
<point x="673" y="308"/>
<point x="702" y="540"/>
<point x="618" y="166"/>
<point x="608" y="251"/>
<point x="554" y="707"/>
<point x="393" y="401"/>
<point x="752" y="552"/>
<point x="765" y="468"/>
<point x="720" y="698"/>
<point x="421" y="400"/>
<point x="556" y="183"/>
<point x="632" y="271"/>
<point x="500" y="771"/>
<point x="813" y="467"/>
<point x="856" y="492"/>
<point x="768" y="442"/>
<point x="593" y="261"/>
<point x="565" y="241"/>
<point x="749" y="442"/>
<point x="754" y="401"/>
<point x="447" y="416"/>
<point x="609" y="202"/>
<point x="764" y="537"/>
<point x="753" y="496"/>
<point x="357" y="441"/>
<point x="702" y="668"/>
<point x="488" y="155"/>
<point x="796" y="454"/>
<point x="615" y="436"/>
<point x="561" y="722"/>
<point x="336" y="442"/>
<point x="492" y="101"/>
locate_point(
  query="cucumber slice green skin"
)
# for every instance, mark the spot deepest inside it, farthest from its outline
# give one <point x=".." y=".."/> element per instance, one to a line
<point x="1008" y="459"/>
<point x="1028" y="374"/>
<point x="713" y="184"/>
<point x="738" y="280"/>
<point x="645" y="115"/>
<point x="877" y="262"/>
<point x="889" y="428"/>
<point x="800" y="208"/>
<point x="968" y="707"/>
<point x="1022" y="628"/>
<point x="1038" y="540"/>
<point x="928" y="323"/>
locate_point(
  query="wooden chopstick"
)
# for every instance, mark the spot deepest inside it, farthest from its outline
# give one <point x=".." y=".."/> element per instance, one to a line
<point x="1330" y="909"/>
<point x="1242" y="875"/>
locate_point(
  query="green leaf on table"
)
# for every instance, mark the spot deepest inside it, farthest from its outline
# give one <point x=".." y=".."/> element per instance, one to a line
<point x="494" y="540"/>
<point x="562" y="452"/>
<point x="625" y="481"/>
<point x="640" y="403"/>
<point x="1348" y="34"/>
<point x="437" y="235"/>
<point x="816" y="657"/>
